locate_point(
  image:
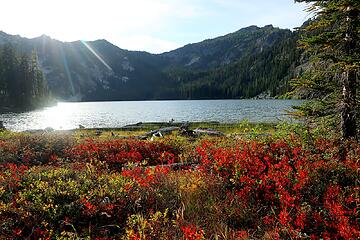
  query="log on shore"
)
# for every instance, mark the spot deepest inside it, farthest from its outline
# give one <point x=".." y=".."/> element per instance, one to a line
<point x="210" y="132"/>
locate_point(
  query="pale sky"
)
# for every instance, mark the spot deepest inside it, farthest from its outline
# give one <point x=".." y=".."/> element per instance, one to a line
<point x="148" y="25"/>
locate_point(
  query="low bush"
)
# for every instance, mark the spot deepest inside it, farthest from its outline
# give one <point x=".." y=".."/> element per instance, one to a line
<point x="53" y="187"/>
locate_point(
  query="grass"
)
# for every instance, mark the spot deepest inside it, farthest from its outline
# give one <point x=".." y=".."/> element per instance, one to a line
<point x="244" y="128"/>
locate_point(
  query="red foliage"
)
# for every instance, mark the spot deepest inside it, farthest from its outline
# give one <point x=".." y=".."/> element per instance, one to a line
<point x="293" y="191"/>
<point x="116" y="153"/>
<point x="291" y="185"/>
<point x="15" y="172"/>
<point x="146" y="177"/>
<point x="191" y="232"/>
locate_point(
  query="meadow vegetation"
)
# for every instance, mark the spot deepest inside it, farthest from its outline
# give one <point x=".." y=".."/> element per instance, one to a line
<point x="259" y="182"/>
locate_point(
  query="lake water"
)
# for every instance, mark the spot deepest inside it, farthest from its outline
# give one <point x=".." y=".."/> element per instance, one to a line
<point x="68" y="115"/>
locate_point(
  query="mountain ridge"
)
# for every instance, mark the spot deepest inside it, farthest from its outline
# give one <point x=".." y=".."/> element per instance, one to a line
<point x="99" y="70"/>
<point x="103" y="39"/>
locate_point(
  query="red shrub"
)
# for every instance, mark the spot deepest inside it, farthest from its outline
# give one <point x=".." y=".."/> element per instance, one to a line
<point x="191" y="232"/>
<point x="116" y="153"/>
<point x="285" y="184"/>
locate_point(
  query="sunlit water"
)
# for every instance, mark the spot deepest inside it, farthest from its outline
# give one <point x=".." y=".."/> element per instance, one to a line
<point x="117" y="114"/>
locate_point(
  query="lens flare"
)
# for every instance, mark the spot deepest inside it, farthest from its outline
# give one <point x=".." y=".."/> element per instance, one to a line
<point x="96" y="55"/>
<point x="68" y="74"/>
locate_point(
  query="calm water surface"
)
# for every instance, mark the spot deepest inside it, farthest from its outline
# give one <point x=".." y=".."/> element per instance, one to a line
<point x="117" y="114"/>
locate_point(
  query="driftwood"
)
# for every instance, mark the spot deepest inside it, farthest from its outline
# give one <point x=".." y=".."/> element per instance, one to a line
<point x="141" y="137"/>
<point x="184" y="131"/>
<point x="131" y="128"/>
<point x="162" y="131"/>
<point x="187" y="133"/>
<point x="210" y="132"/>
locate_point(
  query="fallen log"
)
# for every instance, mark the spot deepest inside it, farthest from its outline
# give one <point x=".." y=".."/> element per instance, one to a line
<point x="141" y="137"/>
<point x="187" y="133"/>
<point x="163" y="131"/>
<point x="210" y="132"/>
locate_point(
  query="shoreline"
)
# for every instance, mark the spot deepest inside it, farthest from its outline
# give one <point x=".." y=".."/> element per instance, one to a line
<point x="148" y="126"/>
<point x="152" y="130"/>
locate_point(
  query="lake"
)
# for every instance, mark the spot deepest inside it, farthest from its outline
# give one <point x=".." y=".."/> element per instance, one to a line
<point x="68" y="115"/>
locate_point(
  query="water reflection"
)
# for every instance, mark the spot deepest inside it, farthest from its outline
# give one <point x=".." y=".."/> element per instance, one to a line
<point x="116" y="114"/>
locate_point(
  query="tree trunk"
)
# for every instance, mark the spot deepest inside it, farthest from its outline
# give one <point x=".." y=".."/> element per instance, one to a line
<point x="348" y="111"/>
<point x="349" y="79"/>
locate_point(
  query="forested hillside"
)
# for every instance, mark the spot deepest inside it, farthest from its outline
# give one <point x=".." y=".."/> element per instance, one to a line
<point x="242" y="64"/>
<point x="22" y="83"/>
<point x="265" y="62"/>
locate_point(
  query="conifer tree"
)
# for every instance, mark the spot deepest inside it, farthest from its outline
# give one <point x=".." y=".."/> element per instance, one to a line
<point x="2" y="80"/>
<point x="22" y="83"/>
<point x="332" y="41"/>
<point x="10" y="63"/>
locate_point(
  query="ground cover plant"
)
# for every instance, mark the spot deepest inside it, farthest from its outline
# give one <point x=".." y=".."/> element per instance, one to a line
<point x="290" y="185"/>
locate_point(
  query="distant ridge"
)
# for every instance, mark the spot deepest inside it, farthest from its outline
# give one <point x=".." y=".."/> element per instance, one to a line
<point x="242" y="64"/>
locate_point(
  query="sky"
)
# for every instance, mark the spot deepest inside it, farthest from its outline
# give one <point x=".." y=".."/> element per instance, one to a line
<point x="147" y="25"/>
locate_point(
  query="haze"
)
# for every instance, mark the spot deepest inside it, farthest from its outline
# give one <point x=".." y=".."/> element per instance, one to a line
<point x="154" y="26"/>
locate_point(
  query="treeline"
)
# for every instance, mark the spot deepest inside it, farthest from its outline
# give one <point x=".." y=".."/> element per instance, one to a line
<point x="266" y="71"/>
<point x="22" y="83"/>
